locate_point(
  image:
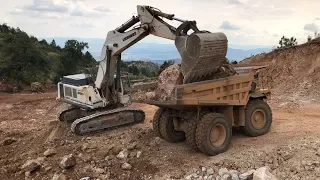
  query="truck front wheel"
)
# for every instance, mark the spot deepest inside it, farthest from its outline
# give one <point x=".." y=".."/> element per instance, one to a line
<point x="258" y="118"/>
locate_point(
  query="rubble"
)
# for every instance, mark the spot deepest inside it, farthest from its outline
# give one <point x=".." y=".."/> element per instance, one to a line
<point x="68" y="161"/>
<point x="246" y="175"/>
<point x="155" y="142"/>
<point x="31" y="165"/>
<point x="210" y="171"/>
<point x="139" y="154"/>
<point x="58" y="176"/>
<point x="49" y="152"/>
<point x="36" y="87"/>
<point x="143" y="96"/>
<point x="223" y="171"/>
<point x="123" y="154"/>
<point x="126" y="166"/>
<point x="262" y="173"/>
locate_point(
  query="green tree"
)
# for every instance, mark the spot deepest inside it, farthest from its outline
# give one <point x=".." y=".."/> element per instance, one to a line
<point x="53" y="43"/>
<point x="22" y="61"/>
<point x="285" y="42"/>
<point x="146" y="72"/>
<point x="43" y="42"/>
<point x="123" y="66"/>
<point x="4" y="28"/>
<point x="133" y="70"/>
<point x="72" y="57"/>
<point x="88" y="60"/>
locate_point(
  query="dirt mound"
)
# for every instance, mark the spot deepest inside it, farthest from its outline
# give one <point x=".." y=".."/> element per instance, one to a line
<point x="293" y="71"/>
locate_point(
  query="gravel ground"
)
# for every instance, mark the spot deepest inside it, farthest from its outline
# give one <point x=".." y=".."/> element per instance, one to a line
<point x="35" y="145"/>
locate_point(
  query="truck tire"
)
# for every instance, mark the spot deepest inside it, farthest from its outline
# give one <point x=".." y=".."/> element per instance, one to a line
<point x="191" y="133"/>
<point x="258" y="118"/>
<point x="167" y="128"/>
<point x="156" y="122"/>
<point x="213" y="134"/>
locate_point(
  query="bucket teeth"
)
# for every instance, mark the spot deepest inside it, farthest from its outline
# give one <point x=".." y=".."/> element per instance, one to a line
<point x="201" y="54"/>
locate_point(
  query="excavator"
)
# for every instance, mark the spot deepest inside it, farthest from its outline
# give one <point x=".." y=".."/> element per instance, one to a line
<point x="104" y="103"/>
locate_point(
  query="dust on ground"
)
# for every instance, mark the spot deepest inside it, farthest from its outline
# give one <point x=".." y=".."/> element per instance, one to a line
<point x="29" y="127"/>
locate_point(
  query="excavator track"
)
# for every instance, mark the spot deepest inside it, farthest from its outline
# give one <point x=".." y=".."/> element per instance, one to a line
<point x="107" y="120"/>
<point x="71" y="114"/>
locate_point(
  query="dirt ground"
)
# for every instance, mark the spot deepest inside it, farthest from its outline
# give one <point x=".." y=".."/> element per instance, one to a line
<point x="290" y="149"/>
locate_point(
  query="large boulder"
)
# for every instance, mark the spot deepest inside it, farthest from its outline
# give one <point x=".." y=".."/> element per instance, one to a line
<point x="167" y="80"/>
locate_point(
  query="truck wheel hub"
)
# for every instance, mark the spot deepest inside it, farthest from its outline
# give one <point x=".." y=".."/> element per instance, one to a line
<point x="258" y="119"/>
<point x="218" y="135"/>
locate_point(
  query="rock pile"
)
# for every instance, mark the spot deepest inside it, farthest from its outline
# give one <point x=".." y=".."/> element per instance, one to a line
<point x="209" y="173"/>
<point x="167" y="80"/>
<point x="172" y="76"/>
<point x="36" y="87"/>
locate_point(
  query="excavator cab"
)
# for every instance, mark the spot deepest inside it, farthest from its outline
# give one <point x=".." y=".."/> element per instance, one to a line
<point x="124" y="91"/>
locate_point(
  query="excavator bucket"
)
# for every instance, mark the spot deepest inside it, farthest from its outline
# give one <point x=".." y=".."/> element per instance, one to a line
<point x="201" y="55"/>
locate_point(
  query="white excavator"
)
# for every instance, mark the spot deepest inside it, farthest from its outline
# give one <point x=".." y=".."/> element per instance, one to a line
<point x="103" y="103"/>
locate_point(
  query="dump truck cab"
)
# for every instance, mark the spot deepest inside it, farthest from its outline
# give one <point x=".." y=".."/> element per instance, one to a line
<point x="258" y="89"/>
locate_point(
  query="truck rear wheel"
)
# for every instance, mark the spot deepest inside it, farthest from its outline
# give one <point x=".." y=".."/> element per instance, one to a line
<point x="156" y="122"/>
<point x="258" y="118"/>
<point x="167" y="130"/>
<point x="191" y="133"/>
<point x="213" y="134"/>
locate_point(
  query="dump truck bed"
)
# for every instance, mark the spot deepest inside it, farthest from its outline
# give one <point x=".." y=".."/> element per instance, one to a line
<point x="232" y="90"/>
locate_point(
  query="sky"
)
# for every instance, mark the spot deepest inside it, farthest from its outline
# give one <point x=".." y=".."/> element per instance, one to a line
<point x="245" y="22"/>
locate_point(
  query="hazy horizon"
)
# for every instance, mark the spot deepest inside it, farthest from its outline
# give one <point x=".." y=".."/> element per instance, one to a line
<point x="160" y="51"/>
<point x="245" y="22"/>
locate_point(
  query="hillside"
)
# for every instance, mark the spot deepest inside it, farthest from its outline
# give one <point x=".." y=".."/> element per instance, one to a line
<point x="293" y="72"/>
<point x="158" y="53"/>
<point x="24" y="59"/>
<point x="140" y="69"/>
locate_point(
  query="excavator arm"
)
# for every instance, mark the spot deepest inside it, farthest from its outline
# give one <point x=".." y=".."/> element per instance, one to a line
<point x="119" y="40"/>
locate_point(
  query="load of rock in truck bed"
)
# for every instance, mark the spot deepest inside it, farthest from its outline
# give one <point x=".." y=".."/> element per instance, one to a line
<point x="172" y="76"/>
<point x="203" y="57"/>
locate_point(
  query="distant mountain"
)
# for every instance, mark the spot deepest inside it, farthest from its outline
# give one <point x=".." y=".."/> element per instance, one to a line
<point x="160" y="52"/>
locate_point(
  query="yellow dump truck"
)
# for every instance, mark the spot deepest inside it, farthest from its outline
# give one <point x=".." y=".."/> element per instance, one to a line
<point x="203" y="113"/>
